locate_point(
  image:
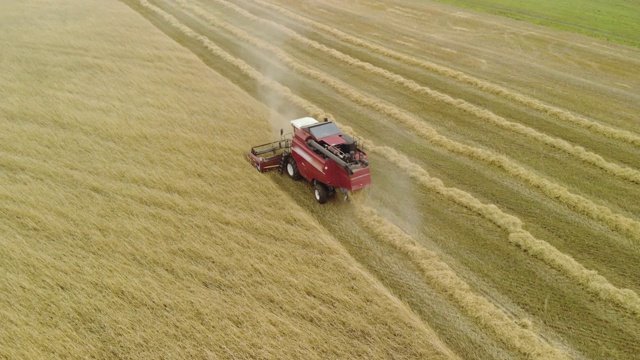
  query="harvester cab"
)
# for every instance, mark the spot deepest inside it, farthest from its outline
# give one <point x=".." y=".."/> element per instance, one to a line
<point x="319" y="153"/>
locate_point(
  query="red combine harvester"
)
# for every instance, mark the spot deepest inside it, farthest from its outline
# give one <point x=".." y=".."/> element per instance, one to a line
<point x="318" y="152"/>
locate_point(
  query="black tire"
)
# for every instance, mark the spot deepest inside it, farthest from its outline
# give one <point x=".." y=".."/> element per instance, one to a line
<point x="321" y="193"/>
<point x="292" y="169"/>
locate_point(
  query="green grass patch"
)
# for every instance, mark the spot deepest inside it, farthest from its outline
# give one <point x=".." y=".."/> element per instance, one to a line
<point x="613" y="20"/>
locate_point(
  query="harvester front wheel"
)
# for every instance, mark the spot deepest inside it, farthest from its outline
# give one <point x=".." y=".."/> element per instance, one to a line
<point x="292" y="169"/>
<point x="321" y="193"/>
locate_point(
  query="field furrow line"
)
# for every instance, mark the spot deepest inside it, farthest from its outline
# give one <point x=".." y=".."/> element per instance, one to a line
<point x="532" y="103"/>
<point x="578" y="203"/>
<point x="440" y="275"/>
<point x="591" y="280"/>
<point x="579" y="152"/>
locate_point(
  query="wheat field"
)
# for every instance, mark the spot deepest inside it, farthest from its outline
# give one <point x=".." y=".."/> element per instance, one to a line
<point x="503" y="221"/>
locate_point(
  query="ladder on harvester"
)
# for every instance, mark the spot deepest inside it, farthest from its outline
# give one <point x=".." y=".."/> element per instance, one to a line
<point x="283" y="163"/>
<point x="285" y="156"/>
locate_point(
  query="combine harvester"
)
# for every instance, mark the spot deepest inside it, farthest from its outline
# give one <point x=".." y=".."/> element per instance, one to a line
<point x="318" y="152"/>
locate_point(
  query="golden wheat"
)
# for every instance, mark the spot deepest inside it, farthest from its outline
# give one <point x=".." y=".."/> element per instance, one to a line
<point x="131" y="227"/>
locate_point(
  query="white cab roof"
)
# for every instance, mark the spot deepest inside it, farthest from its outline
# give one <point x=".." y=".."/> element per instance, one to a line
<point x="302" y="122"/>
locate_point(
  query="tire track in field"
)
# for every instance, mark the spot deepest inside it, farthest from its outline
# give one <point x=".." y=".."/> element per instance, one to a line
<point x="622" y="172"/>
<point x="595" y="283"/>
<point x="578" y="203"/>
<point x="525" y="340"/>
<point x="564" y="115"/>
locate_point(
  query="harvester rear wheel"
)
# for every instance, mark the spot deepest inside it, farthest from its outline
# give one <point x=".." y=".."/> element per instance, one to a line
<point x="292" y="169"/>
<point x="321" y="193"/>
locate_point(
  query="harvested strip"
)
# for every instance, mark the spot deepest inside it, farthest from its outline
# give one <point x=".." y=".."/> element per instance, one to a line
<point x="441" y="276"/>
<point x="590" y="125"/>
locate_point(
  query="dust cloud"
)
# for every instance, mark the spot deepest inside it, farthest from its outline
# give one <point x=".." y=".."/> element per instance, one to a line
<point x="281" y="109"/>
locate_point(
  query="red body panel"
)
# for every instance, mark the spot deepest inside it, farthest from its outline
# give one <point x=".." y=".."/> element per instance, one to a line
<point x="333" y="140"/>
<point x="361" y="178"/>
<point x="264" y="164"/>
<point x="313" y="166"/>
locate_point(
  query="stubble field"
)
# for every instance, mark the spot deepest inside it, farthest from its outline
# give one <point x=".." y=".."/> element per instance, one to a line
<point x="503" y="221"/>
